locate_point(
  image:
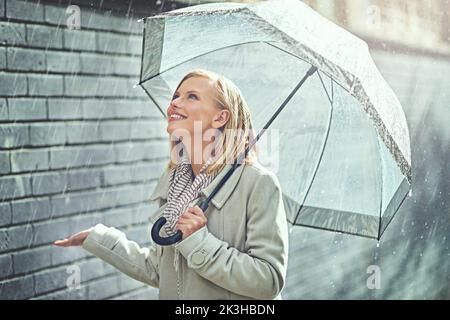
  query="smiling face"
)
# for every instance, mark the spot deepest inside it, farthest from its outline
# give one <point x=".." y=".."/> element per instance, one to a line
<point x="195" y="102"/>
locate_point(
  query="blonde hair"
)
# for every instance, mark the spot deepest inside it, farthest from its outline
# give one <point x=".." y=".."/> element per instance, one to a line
<point x="237" y="133"/>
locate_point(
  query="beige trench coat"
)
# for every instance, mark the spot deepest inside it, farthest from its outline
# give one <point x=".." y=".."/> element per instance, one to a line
<point x="242" y="252"/>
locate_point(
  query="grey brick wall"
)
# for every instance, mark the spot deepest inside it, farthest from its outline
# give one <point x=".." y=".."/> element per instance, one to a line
<point x="78" y="145"/>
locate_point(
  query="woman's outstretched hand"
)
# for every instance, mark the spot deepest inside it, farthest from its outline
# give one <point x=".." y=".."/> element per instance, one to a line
<point x="75" y="240"/>
<point x="190" y="221"/>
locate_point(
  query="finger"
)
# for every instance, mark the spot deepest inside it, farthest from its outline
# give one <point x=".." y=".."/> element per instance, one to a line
<point x="196" y="210"/>
<point x="62" y="243"/>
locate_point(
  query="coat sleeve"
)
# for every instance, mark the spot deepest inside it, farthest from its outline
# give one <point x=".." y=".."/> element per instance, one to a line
<point x="112" y="246"/>
<point x="260" y="271"/>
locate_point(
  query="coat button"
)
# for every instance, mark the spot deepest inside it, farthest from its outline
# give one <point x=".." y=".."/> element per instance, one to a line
<point x="198" y="257"/>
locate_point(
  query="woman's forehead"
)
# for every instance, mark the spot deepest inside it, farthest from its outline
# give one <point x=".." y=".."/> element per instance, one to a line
<point x="200" y="84"/>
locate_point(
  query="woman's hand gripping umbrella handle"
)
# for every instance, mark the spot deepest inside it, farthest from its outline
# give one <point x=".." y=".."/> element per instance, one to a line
<point x="167" y="241"/>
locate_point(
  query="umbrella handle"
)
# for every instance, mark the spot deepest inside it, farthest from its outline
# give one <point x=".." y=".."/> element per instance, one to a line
<point x="167" y="241"/>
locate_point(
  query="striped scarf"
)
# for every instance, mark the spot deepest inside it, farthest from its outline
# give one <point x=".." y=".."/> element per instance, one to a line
<point x="183" y="190"/>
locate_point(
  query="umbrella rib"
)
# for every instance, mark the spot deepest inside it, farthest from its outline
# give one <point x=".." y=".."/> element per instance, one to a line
<point x="198" y="56"/>
<point x="320" y="158"/>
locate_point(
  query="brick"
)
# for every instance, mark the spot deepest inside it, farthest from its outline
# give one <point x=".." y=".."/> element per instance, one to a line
<point x="101" y="108"/>
<point x="113" y="43"/>
<point x="121" y="217"/>
<point x="101" y="64"/>
<point x="4" y="162"/>
<point x="83" y="179"/>
<point x="87" y="220"/>
<point x="64" y="62"/>
<point x="13" y="135"/>
<point x="127" y="283"/>
<point x="17" y="289"/>
<point x="136" y="109"/>
<point x="104" y="288"/>
<point x="44" y="36"/>
<point x="13" y="84"/>
<point x="68" y="294"/>
<point x="156" y="150"/>
<point x="115" y="130"/>
<point x="82" y="202"/>
<point x="117" y="175"/>
<point x="79" y="39"/>
<point x="56" y="15"/>
<point x="61" y="256"/>
<point x="45" y="84"/>
<point x="145" y="293"/>
<point x="138" y="234"/>
<point x="141" y="151"/>
<point x="3" y="109"/>
<point x="6" y="267"/>
<point x="135" y="173"/>
<point x="45" y="183"/>
<point x="31" y="260"/>
<point x="51" y="280"/>
<point x="135" y="44"/>
<point x="105" y="20"/>
<point x="134" y="194"/>
<point x="29" y="210"/>
<point x="16" y="237"/>
<point x="29" y="160"/>
<point x="49" y="231"/>
<point x="15" y="186"/>
<point x="75" y="156"/>
<point x="131" y="151"/>
<point x="25" y="10"/>
<point x="26" y="59"/>
<point x="146" y="171"/>
<point x="64" y="109"/>
<point x="148" y="129"/>
<point x="81" y="85"/>
<point x="83" y="132"/>
<point x="5" y="214"/>
<point x="12" y="33"/>
<point x="2" y="58"/>
<point x="27" y="109"/>
<point x="104" y="86"/>
<point x="47" y="134"/>
<point x="57" y="278"/>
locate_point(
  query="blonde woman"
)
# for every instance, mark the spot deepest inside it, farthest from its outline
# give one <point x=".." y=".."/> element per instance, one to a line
<point x="238" y="248"/>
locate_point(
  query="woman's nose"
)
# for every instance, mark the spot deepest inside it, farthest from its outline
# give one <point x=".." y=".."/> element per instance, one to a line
<point x="176" y="102"/>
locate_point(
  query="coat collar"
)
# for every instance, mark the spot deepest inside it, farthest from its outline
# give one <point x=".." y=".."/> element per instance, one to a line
<point x="162" y="187"/>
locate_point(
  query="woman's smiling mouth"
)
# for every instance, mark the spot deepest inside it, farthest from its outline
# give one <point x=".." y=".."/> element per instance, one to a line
<point x="176" y="117"/>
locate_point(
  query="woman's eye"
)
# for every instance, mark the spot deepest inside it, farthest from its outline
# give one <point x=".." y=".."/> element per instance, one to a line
<point x="174" y="96"/>
<point x="193" y="96"/>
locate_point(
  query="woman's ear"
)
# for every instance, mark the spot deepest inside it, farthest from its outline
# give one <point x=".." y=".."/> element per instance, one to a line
<point x="221" y="118"/>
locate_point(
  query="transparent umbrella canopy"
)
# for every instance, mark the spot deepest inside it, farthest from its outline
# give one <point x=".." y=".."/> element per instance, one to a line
<point x="344" y="160"/>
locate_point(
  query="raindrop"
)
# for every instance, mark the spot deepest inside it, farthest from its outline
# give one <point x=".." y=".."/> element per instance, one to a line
<point x="135" y="86"/>
<point x="378" y="244"/>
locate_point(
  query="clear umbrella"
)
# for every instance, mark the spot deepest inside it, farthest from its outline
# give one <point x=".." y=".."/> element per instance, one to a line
<point x="344" y="152"/>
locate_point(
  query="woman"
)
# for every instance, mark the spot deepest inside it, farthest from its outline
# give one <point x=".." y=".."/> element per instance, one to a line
<point x="238" y="248"/>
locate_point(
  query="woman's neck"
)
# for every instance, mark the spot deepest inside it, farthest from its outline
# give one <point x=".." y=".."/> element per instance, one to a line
<point x="197" y="158"/>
